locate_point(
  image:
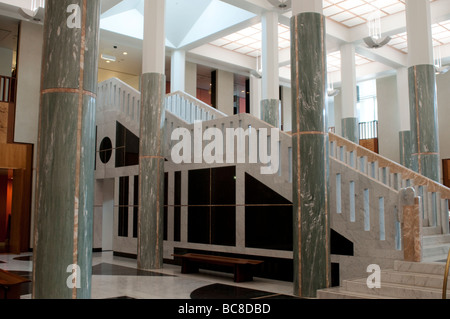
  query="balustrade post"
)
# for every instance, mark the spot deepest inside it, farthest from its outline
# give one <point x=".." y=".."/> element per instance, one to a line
<point x="410" y="218"/>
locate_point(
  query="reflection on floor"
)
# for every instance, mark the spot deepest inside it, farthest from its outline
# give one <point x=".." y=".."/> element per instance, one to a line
<point x="221" y="291"/>
<point x="118" y="278"/>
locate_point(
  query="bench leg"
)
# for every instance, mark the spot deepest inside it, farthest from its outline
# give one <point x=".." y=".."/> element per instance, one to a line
<point x="243" y="273"/>
<point x="188" y="267"/>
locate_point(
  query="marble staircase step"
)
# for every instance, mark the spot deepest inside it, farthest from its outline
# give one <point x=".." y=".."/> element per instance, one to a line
<point x="423" y="267"/>
<point x="436" y="239"/>
<point x="413" y="279"/>
<point x="340" y="293"/>
<point x="435" y="250"/>
<point x="394" y="290"/>
<point x="429" y="231"/>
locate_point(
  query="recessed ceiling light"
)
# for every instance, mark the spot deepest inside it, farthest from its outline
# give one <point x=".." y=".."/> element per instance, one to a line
<point x="108" y="57"/>
<point x="125" y="53"/>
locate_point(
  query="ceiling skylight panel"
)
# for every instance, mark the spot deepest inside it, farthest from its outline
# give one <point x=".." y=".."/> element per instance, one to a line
<point x="232" y="37"/>
<point x="353" y="22"/>
<point x="366" y="8"/>
<point x="332" y="11"/>
<point x="343" y="16"/>
<point x="350" y="4"/>
<point x="380" y="4"/>
<point x="395" y="8"/>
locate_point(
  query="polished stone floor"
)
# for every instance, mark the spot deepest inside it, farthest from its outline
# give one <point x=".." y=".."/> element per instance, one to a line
<point x="117" y="278"/>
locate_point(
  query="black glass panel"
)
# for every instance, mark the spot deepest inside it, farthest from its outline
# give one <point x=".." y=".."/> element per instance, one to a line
<point x="136" y="208"/>
<point x="223" y="188"/>
<point x="177" y="208"/>
<point x="199" y="187"/>
<point x="166" y="212"/>
<point x="198" y="225"/>
<point x="127" y="147"/>
<point x="340" y="245"/>
<point x="124" y="186"/>
<point x="131" y="149"/>
<point x="258" y="193"/>
<point x="123" y="206"/>
<point x="123" y="221"/>
<point x="269" y="227"/>
<point x="223" y="226"/>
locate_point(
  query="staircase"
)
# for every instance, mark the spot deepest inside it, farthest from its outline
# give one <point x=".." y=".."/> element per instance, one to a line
<point x="399" y="279"/>
<point x="407" y="280"/>
<point x="364" y="195"/>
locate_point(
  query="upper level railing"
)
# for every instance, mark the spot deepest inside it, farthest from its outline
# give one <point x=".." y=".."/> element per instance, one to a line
<point x="191" y="109"/>
<point x="116" y="94"/>
<point x="7" y="89"/>
<point x="368" y="130"/>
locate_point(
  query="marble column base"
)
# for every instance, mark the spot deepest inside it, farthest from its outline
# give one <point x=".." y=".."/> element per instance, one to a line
<point x="350" y="129"/>
<point x="424" y="125"/>
<point x="151" y="173"/>
<point x="405" y="149"/>
<point x="310" y="158"/>
<point x="270" y="112"/>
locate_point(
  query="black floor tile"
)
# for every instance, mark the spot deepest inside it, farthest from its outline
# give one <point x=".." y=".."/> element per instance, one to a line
<point x="220" y="291"/>
<point x="115" y="270"/>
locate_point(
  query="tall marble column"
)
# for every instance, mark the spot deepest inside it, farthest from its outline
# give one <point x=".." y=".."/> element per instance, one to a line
<point x="62" y="260"/>
<point x="425" y="157"/>
<point x="270" y="103"/>
<point x="310" y="149"/>
<point x="404" y="116"/>
<point x="350" y="124"/>
<point x="151" y="157"/>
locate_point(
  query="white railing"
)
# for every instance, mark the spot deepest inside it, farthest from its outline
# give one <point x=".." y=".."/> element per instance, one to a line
<point x="244" y="126"/>
<point x="434" y="196"/>
<point x="114" y="94"/>
<point x="191" y="109"/>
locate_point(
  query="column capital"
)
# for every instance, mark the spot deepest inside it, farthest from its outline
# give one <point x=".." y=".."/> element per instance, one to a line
<point x="154" y="43"/>
<point x="418" y="25"/>
<point x="301" y="6"/>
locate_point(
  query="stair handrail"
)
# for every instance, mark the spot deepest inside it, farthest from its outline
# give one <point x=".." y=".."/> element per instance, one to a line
<point x="394" y="167"/>
<point x="198" y="103"/>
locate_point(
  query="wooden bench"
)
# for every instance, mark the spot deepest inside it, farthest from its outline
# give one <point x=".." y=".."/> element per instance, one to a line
<point x="243" y="268"/>
<point x="10" y="285"/>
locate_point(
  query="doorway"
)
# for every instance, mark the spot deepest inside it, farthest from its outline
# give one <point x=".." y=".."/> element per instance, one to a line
<point x="6" y="189"/>
<point x="108" y="215"/>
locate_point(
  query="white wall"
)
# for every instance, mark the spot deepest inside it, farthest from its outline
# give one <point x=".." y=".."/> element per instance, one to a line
<point x="388" y="118"/>
<point x="28" y="93"/>
<point x="225" y="92"/>
<point x="191" y="79"/>
<point x="443" y="93"/>
<point x="6" y="59"/>
<point x="286" y="94"/>
<point x="338" y="114"/>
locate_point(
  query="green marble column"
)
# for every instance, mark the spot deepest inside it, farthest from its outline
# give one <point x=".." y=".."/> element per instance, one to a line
<point x="66" y="152"/>
<point x="425" y="157"/>
<point x="310" y="155"/>
<point x="151" y="172"/>
<point x="350" y="129"/>
<point x="270" y="112"/>
<point x="405" y="148"/>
